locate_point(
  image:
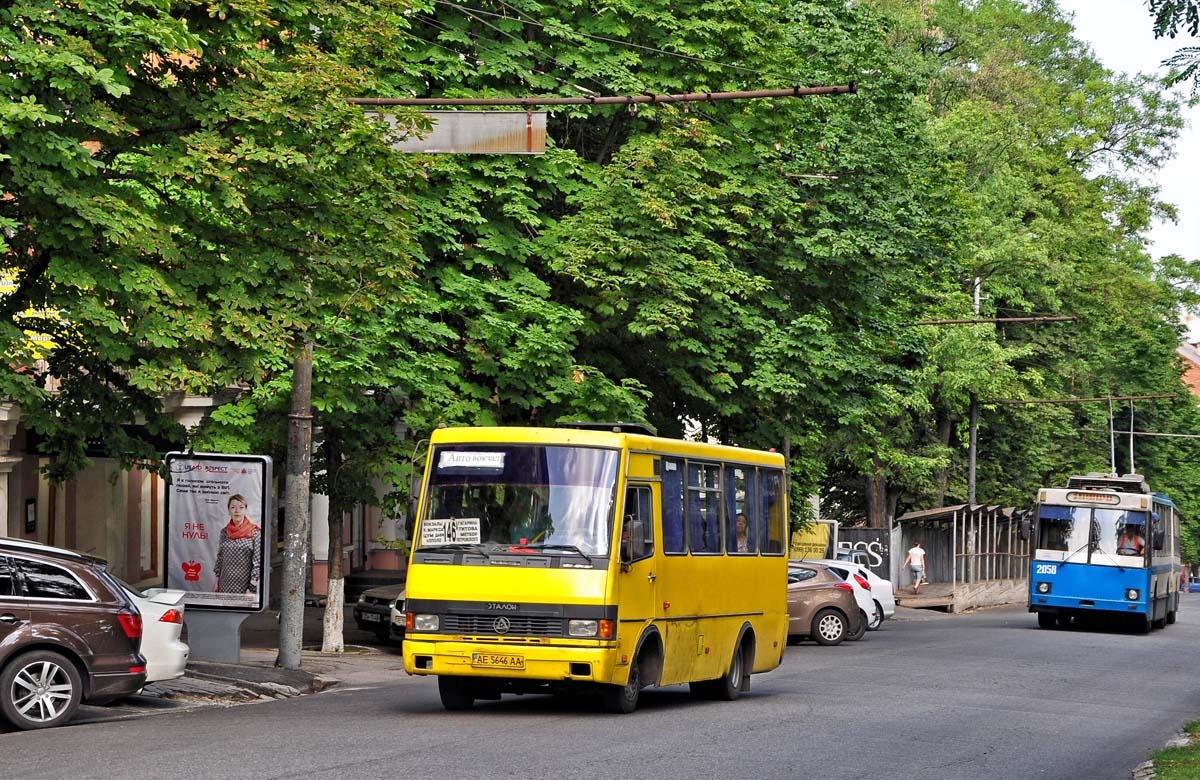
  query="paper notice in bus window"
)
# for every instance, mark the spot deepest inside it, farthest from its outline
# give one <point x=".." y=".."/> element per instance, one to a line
<point x="466" y="530"/>
<point x="434" y="532"/>
<point x="451" y="530"/>
<point x="471" y="460"/>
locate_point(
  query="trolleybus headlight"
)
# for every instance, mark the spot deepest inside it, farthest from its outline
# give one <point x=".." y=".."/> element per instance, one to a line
<point x="583" y="627"/>
<point x="1043" y="587"/>
<point x="1132" y="594"/>
<point x="425" y="623"/>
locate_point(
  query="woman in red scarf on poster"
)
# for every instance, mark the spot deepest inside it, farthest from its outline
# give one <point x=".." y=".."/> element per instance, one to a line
<point x="239" y="556"/>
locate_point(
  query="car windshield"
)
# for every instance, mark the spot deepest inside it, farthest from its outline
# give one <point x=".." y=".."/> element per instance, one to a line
<point x="533" y="499"/>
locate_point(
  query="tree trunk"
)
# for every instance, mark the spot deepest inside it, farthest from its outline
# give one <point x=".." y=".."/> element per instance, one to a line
<point x="877" y="496"/>
<point x="333" y="639"/>
<point x="296" y="512"/>
<point x="945" y="426"/>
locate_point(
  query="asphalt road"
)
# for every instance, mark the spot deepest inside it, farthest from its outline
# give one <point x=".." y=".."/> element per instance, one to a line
<point x="985" y="695"/>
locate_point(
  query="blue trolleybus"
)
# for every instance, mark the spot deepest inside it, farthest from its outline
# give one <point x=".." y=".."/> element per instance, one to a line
<point x="1105" y="545"/>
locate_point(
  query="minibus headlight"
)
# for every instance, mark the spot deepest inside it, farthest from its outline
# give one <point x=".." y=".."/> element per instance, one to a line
<point x="1132" y="594"/>
<point x="583" y="627"/>
<point x="1043" y="587"/>
<point x="425" y="623"/>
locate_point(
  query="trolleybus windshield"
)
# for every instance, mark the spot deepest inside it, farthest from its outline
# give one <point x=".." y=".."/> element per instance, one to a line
<point x="1069" y="528"/>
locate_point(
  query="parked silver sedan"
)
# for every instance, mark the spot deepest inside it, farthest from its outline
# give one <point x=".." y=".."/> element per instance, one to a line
<point x="373" y="611"/>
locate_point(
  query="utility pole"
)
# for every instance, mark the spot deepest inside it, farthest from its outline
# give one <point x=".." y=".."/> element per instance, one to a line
<point x="296" y="511"/>
<point x="974" y="437"/>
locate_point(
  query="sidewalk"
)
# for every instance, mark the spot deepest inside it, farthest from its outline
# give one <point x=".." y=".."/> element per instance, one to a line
<point x="255" y="677"/>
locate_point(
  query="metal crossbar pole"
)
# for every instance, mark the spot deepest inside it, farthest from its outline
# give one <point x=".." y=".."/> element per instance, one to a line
<point x="689" y="97"/>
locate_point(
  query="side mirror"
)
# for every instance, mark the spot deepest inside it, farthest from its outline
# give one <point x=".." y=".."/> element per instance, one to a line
<point x="626" y="540"/>
<point x="1160" y="539"/>
<point x="1023" y="530"/>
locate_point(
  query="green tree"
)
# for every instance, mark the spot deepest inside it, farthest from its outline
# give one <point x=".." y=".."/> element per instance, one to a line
<point x="1028" y="125"/>
<point x="186" y="193"/>
<point x="1172" y="17"/>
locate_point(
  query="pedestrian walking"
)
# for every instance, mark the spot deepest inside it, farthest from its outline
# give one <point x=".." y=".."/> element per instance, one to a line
<point x="915" y="560"/>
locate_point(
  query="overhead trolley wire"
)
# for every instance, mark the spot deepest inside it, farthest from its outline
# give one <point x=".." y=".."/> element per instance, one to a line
<point x="563" y="28"/>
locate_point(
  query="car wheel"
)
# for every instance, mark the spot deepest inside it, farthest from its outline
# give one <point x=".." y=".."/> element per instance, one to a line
<point x="876" y="621"/>
<point x="40" y="690"/>
<point x="623" y="699"/>
<point x="456" y="693"/>
<point x="829" y="627"/>
<point x="862" y="628"/>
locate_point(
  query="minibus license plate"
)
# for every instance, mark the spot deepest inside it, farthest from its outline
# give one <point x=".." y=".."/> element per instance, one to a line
<point x="498" y="660"/>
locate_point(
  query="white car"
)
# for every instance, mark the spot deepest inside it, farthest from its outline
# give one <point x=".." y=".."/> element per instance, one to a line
<point x="162" y="623"/>
<point x="397" y="619"/>
<point x="876" y="597"/>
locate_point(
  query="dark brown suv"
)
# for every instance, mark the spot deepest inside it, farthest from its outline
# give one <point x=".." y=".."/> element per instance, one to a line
<point x="68" y="634"/>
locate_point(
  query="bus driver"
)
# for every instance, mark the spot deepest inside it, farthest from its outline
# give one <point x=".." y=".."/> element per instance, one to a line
<point x="1131" y="541"/>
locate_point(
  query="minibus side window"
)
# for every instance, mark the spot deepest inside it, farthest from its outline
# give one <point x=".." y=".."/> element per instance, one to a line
<point x="672" y="511"/>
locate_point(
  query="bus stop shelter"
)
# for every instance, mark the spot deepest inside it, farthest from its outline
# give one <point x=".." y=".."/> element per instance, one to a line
<point x="975" y="556"/>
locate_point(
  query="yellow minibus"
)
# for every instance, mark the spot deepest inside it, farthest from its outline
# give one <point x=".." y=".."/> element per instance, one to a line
<point x="595" y="558"/>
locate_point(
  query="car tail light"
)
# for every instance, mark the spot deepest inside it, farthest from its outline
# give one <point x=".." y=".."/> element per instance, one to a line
<point x="171" y="616"/>
<point x="845" y="586"/>
<point x="137" y="670"/>
<point x="132" y="624"/>
<point x="861" y="580"/>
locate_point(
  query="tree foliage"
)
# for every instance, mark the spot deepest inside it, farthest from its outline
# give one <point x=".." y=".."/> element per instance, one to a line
<point x="1172" y="18"/>
<point x="187" y="191"/>
<point x="190" y="193"/>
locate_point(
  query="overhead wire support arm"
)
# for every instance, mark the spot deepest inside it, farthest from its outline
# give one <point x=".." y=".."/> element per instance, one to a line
<point x="1078" y="400"/>
<point x="982" y="320"/>
<point x="836" y="89"/>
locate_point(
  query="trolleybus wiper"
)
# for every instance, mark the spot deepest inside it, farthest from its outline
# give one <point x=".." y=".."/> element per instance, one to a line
<point x="567" y="547"/>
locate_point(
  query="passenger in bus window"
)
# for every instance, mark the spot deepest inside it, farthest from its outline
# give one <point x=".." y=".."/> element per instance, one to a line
<point x="1131" y="541"/>
<point x="743" y="545"/>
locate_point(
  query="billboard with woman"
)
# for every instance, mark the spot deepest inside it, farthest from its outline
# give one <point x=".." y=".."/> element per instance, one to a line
<point x="218" y="508"/>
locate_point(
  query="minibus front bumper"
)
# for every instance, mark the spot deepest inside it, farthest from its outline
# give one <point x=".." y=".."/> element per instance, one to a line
<point x="533" y="662"/>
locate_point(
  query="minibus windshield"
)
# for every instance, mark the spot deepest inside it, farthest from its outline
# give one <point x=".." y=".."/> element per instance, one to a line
<point x="528" y="499"/>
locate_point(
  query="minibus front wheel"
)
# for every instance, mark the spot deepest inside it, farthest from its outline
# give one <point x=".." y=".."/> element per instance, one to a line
<point x="623" y="699"/>
<point x="456" y="693"/>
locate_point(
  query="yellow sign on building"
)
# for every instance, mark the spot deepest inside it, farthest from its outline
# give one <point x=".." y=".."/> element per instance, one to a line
<point x="36" y="340"/>
<point x="811" y="542"/>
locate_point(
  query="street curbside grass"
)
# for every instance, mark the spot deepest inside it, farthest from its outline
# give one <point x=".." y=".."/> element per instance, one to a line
<point x="1180" y="762"/>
